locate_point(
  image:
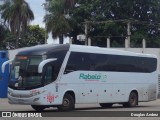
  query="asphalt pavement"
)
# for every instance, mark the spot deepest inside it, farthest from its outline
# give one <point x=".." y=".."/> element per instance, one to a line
<point x="86" y="112"/>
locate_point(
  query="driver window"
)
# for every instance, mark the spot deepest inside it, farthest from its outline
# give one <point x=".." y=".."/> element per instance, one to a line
<point x="49" y="74"/>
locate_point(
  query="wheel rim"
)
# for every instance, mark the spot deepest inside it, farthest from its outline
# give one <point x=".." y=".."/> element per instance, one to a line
<point x="66" y="102"/>
<point x="133" y="100"/>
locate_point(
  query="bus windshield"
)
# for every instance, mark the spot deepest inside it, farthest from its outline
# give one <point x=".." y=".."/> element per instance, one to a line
<point x="24" y="72"/>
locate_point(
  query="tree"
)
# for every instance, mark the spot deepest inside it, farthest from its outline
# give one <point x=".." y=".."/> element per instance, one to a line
<point x="56" y="21"/>
<point x="34" y="36"/>
<point x="144" y="16"/>
<point x="17" y="14"/>
<point x="69" y="4"/>
<point x="3" y="31"/>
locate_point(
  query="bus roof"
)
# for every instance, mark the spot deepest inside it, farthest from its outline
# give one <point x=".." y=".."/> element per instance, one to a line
<point x="49" y="48"/>
<point x="43" y="49"/>
<point x="100" y="50"/>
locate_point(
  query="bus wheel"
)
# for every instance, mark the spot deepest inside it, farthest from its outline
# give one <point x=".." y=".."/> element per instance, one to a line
<point x="38" y="107"/>
<point x="106" y="105"/>
<point x="133" y="100"/>
<point x="67" y="104"/>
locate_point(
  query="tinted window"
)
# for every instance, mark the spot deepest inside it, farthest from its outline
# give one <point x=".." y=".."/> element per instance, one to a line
<point x="60" y="55"/>
<point x="78" y="61"/>
<point x="115" y="63"/>
<point x="49" y="74"/>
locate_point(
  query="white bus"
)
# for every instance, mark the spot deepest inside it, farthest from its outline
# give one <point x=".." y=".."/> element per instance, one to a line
<point x="64" y="75"/>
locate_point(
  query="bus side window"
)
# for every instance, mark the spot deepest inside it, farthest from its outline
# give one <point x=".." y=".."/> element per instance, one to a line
<point x="49" y="74"/>
<point x="70" y="68"/>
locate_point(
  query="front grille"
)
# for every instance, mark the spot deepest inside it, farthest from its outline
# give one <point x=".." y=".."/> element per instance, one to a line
<point x="20" y="96"/>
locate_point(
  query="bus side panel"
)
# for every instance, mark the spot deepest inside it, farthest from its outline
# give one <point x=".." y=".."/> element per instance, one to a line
<point x="115" y="88"/>
<point x="119" y="93"/>
<point x="152" y="92"/>
<point x="105" y="93"/>
<point x="85" y="91"/>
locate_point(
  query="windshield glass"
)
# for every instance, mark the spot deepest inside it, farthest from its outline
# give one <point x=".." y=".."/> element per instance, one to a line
<point x="24" y="72"/>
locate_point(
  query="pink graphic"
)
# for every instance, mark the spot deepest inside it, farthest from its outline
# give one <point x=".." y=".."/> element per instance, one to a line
<point x="50" y="98"/>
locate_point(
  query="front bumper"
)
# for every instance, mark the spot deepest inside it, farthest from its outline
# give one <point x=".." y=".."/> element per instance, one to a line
<point x="25" y="98"/>
<point x="35" y="100"/>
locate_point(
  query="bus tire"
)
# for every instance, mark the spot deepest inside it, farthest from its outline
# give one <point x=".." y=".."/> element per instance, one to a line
<point x="38" y="107"/>
<point x="106" y="105"/>
<point x="133" y="100"/>
<point x="68" y="103"/>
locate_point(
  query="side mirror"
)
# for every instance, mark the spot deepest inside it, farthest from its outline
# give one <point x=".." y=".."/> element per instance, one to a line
<point x="4" y="65"/>
<point x="43" y="63"/>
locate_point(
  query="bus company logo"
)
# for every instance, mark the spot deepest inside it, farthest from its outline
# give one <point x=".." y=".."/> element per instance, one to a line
<point x="93" y="77"/>
<point x="50" y="98"/>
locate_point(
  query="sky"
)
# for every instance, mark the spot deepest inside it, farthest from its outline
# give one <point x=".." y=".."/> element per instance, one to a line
<point x="39" y="12"/>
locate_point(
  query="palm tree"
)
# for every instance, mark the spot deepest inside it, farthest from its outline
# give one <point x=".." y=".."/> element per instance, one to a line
<point x="56" y="21"/>
<point x="69" y="4"/>
<point x="3" y="32"/>
<point x="17" y="14"/>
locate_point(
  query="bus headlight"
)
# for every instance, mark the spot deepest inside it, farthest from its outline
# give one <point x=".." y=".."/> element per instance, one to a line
<point x="36" y="92"/>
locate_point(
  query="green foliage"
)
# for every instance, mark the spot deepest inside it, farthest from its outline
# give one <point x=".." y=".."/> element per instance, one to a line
<point x="69" y="4"/>
<point x="34" y="36"/>
<point x="17" y="14"/>
<point x="3" y="32"/>
<point x="108" y="18"/>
